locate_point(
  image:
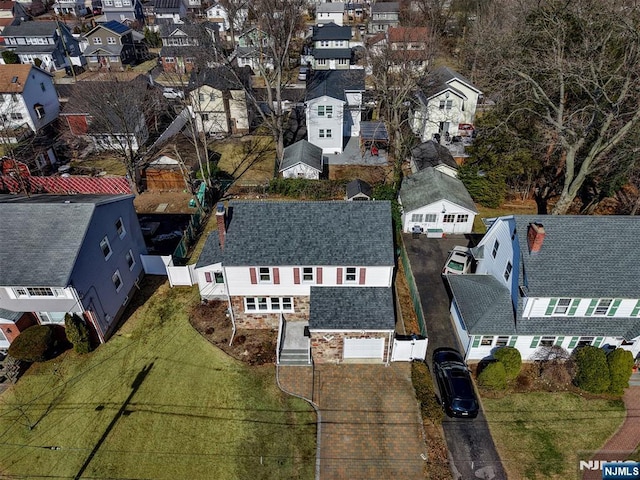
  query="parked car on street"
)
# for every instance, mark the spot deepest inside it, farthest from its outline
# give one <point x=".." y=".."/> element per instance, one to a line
<point x="458" y="262"/>
<point x="457" y="395"/>
<point x="172" y="93"/>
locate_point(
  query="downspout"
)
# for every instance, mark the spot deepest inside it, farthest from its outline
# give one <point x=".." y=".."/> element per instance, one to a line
<point x="233" y="320"/>
<point x="389" y="349"/>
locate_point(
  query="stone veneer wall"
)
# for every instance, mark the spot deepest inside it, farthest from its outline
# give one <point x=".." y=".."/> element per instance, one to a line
<point x="331" y="351"/>
<point x="264" y="320"/>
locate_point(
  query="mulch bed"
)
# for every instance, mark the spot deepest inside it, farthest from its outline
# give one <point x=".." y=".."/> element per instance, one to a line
<point x="255" y="347"/>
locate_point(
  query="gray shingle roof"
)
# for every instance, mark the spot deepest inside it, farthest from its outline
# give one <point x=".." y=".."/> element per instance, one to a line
<point x="484" y="303"/>
<point x="309" y="233"/>
<point x="30" y="29"/>
<point x="333" y="83"/>
<point x="221" y="78"/>
<point x="354" y="187"/>
<point x="41" y="236"/>
<point x="380" y="7"/>
<point x="582" y="256"/>
<point x="211" y="252"/>
<point x="331" y="31"/>
<point x="10" y="315"/>
<point x="302" y="152"/>
<point x="429" y="186"/>
<point x="334" y="7"/>
<point x="431" y="154"/>
<point x="325" y="53"/>
<point x="351" y="308"/>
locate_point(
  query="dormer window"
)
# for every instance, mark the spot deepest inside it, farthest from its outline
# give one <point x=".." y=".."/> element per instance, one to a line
<point x="39" y="109"/>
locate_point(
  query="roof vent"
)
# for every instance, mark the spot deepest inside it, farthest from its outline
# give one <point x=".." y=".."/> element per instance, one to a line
<point x="14" y="80"/>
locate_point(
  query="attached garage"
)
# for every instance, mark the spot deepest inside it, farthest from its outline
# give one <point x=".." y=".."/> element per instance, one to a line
<point x="361" y="348"/>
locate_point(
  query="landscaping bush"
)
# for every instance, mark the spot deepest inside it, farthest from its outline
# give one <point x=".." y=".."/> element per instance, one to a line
<point x="77" y="333"/>
<point x="511" y="359"/>
<point x="592" y="370"/>
<point x="493" y="376"/>
<point x="10" y="57"/>
<point x="306" y="189"/>
<point x="423" y="386"/>
<point x="620" y="364"/>
<point x="35" y="344"/>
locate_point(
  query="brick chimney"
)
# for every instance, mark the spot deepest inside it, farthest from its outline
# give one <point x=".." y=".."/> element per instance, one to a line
<point x="535" y="237"/>
<point x="221" y="219"/>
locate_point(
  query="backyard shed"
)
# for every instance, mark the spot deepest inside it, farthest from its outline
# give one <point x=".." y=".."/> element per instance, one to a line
<point x="165" y="174"/>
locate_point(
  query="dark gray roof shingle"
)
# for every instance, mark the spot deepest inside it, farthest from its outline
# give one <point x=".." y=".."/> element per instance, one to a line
<point x="354" y="187"/>
<point x="333" y="83"/>
<point x="211" y="252"/>
<point x="429" y="186"/>
<point x="309" y="233"/>
<point x="432" y="154"/>
<point x="10" y="315"/>
<point x="351" y="308"/>
<point x="325" y="53"/>
<point x="331" y="31"/>
<point x="302" y="152"/>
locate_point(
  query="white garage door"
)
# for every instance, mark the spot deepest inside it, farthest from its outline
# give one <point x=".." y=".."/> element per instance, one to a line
<point x="364" y="348"/>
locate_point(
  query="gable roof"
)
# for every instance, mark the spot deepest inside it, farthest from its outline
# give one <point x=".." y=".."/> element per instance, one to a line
<point x="113" y="26"/>
<point x="42" y="236"/>
<point x="381" y="7"/>
<point x="432" y="154"/>
<point x="325" y="53"/>
<point x="439" y="81"/>
<point x="429" y="186"/>
<point x="331" y="31"/>
<point x="30" y="29"/>
<point x="302" y="152"/>
<point x="220" y="78"/>
<point x="582" y="256"/>
<point x="408" y="34"/>
<point x="337" y="233"/>
<point x="354" y="187"/>
<point x="358" y="308"/>
<point x="330" y="7"/>
<point x="334" y="83"/>
<point x="14" y="77"/>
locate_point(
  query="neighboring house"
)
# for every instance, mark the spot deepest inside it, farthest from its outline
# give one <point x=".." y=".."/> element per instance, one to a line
<point x="445" y="101"/>
<point x="219" y="100"/>
<point x="355" y="11"/>
<point x="432" y="154"/>
<point x="183" y="44"/>
<point x="358" y="190"/>
<point x="544" y="281"/>
<point x="64" y="254"/>
<point x="194" y="8"/>
<point x="76" y="8"/>
<point x="217" y="13"/>
<point x="49" y="44"/>
<point x="334" y="107"/>
<point x="28" y="99"/>
<point x="436" y="203"/>
<point x="253" y="51"/>
<point x="113" y="46"/>
<point x="105" y="129"/>
<point x="330" y="13"/>
<point x="327" y="294"/>
<point x="302" y="160"/>
<point x="170" y="11"/>
<point x="383" y="16"/>
<point x="331" y="50"/>
<point x="11" y="324"/>
<point x="127" y="11"/>
<point x="408" y="48"/>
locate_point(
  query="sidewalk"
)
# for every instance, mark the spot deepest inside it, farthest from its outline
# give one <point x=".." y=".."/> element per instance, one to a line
<point x="627" y="438"/>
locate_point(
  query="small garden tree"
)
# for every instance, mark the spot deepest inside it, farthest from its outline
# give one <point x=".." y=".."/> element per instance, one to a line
<point x="77" y="333"/>
<point x="592" y="370"/>
<point x="511" y="359"/>
<point x="35" y="344"/>
<point x="493" y="376"/>
<point x="620" y="364"/>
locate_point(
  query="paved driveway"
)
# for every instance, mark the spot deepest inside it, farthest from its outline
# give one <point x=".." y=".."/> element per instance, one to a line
<point x="471" y="448"/>
<point x="370" y="425"/>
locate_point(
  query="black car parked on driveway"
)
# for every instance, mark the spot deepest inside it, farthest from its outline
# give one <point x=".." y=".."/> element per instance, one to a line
<point x="454" y="382"/>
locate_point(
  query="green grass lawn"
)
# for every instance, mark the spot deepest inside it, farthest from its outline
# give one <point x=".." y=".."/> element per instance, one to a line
<point x="157" y="401"/>
<point x="541" y="435"/>
<point x="510" y="209"/>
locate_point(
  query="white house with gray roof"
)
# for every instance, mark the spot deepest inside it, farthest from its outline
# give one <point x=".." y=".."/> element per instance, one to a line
<point x="302" y="160"/>
<point x="445" y="102"/>
<point x="334" y="108"/>
<point x="70" y="254"/>
<point x="318" y="272"/>
<point x="435" y="203"/>
<point x="545" y="281"/>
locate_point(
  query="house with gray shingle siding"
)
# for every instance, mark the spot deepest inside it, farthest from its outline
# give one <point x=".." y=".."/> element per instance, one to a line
<point x="302" y="160"/>
<point x="318" y="273"/>
<point x="544" y="281"/>
<point x="77" y="254"/>
<point x="437" y="203"/>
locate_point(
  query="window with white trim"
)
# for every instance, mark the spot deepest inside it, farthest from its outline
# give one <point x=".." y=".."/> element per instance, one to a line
<point x="449" y="218"/>
<point x="487" y="340"/>
<point x="117" y="280"/>
<point x="321" y="61"/>
<point x="307" y="274"/>
<point x="441" y="105"/>
<point x="51" y="317"/>
<point x="324" y="133"/>
<point x="416" y="217"/>
<point x="507" y="271"/>
<point x="120" y="228"/>
<point x="27" y="292"/>
<point x="131" y="261"/>
<point x="463" y="218"/>
<point x="105" y="246"/>
<point x="547" y="341"/>
<point x="562" y="307"/>
<point x="97" y="41"/>
<point x="585" y="341"/>
<point x="502" y="341"/>
<point x="496" y="246"/>
<point x="603" y="306"/>
<point x="264" y="275"/>
<point x="449" y="104"/>
<point x="350" y="275"/>
<point x="430" y="217"/>
<point x="111" y="40"/>
<point x="268" y="304"/>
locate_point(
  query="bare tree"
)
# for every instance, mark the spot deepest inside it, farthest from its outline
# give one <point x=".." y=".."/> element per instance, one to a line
<point x="574" y="69"/>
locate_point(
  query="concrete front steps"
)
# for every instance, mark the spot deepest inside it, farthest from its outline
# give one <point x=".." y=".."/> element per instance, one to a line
<point x="294" y="357"/>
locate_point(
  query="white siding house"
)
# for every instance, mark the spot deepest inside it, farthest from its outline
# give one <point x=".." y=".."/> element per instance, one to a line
<point x="545" y="281"/>
<point x="446" y="101"/>
<point x="302" y="160"/>
<point x="330" y="13"/>
<point x="435" y="204"/>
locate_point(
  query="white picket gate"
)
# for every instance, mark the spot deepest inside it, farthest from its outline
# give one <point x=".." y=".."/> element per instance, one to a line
<point x="407" y="348"/>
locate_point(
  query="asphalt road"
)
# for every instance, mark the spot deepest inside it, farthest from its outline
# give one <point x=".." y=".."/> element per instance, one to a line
<point x="471" y="449"/>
